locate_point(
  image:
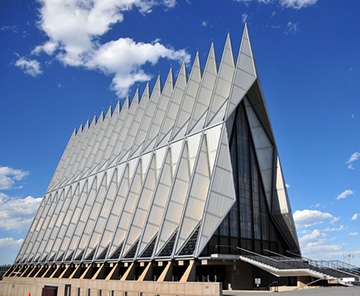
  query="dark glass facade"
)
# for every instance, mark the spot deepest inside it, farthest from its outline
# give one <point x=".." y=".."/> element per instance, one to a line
<point x="248" y="224"/>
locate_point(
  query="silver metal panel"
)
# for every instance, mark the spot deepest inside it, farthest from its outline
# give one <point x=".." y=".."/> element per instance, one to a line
<point x="175" y="148"/>
<point x="223" y="81"/>
<point x="174" y="200"/>
<point x="245" y="73"/>
<point x="147" y="118"/>
<point x="193" y="145"/>
<point x="88" y="217"/>
<point x="174" y="104"/>
<point x="264" y="151"/>
<point x="212" y="140"/>
<point x="117" y="203"/>
<point x="160" y="110"/>
<point x="65" y="155"/>
<point x="195" y="202"/>
<point x="281" y="189"/>
<point x="142" y="208"/>
<point x="136" y="122"/>
<point x="205" y="91"/>
<point x="221" y="195"/>
<point x="157" y="207"/>
<point x="131" y="200"/>
<point x="188" y="100"/>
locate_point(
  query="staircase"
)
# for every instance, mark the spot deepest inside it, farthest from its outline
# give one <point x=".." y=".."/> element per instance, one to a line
<point x="281" y="265"/>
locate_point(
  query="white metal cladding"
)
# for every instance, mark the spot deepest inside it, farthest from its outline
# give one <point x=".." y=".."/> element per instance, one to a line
<point x="221" y="194"/>
<point x="245" y="73"/>
<point x="223" y="81"/>
<point x="187" y="104"/>
<point x="264" y="151"/>
<point x="150" y="174"/>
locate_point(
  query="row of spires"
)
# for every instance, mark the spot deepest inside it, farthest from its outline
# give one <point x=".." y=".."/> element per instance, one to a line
<point x="147" y="92"/>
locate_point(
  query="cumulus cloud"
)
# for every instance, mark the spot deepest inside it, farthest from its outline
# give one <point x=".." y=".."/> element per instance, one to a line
<point x="295" y="4"/>
<point x="354" y="217"/>
<point x="123" y="58"/>
<point x="316" y="244"/>
<point x="307" y="218"/>
<point x="353" y="233"/>
<point x="9" y="242"/>
<point x="8" y="176"/>
<point x="74" y="29"/>
<point x="354" y="157"/>
<point x="30" y="67"/>
<point x="17" y="213"/>
<point x="344" y="194"/>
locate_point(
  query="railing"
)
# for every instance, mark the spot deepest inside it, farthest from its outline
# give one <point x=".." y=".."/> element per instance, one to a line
<point x="335" y="268"/>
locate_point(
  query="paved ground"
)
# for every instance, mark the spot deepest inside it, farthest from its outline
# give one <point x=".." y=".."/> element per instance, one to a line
<point x="333" y="291"/>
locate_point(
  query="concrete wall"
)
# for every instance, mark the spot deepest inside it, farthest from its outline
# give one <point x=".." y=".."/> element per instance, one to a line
<point x="15" y="286"/>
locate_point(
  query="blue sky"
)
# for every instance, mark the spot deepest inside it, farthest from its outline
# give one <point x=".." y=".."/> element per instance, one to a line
<point x="63" y="63"/>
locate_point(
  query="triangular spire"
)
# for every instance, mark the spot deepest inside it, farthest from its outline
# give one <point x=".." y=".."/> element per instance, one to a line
<point x="221" y="195"/>
<point x="188" y="101"/>
<point x="109" y="112"/>
<point x="149" y="112"/>
<point x="158" y="116"/>
<point x="136" y="97"/>
<point x="118" y="201"/>
<point x="93" y="121"/>
<point x="145" y="200"/>
<point x="175" y="200"/>
<point x="146" y="92"/>
<point x="174" y="104"/>
<point x="245" y="73"/>
<point x="196" y="198"/>
<point x="223" y="81"/>
<point x="101" y="117"/>
<point x="205" y="91"/>
<point x="126" y="103"/>
<point x="117" y="107"/>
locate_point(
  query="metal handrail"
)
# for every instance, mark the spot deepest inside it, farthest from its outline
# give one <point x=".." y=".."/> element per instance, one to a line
<point x="280" y="263"/>
<point x="324" y="263"/>
<point x="281" y="255"/>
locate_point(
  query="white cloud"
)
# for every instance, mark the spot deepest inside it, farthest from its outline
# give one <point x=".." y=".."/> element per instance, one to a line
<point x="354" y="217"/>
<point x="340" y="228"/>
<point x="8" y="176"/>
<point x="12" y="28"/>
<point x="9" y="242"/>
<point x="354" y="157"/>
<point x="295" y="4"/>
<point x="292" y="28"/>
<point x="353" y="233"/>
<point x="123" y="58"/>
<point x="204" y="24"/>
<point x="74" y="29"/>
<point x="315" y="244"/>
<point x="307" y="218"/>
<point x="344" y="194"/>
<point x="30" y="67"/>
<point x="335" y="219"/>
<point x="17" y="213"/>
<point x="315" y="235"/>
<point x="244" y="17"/>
